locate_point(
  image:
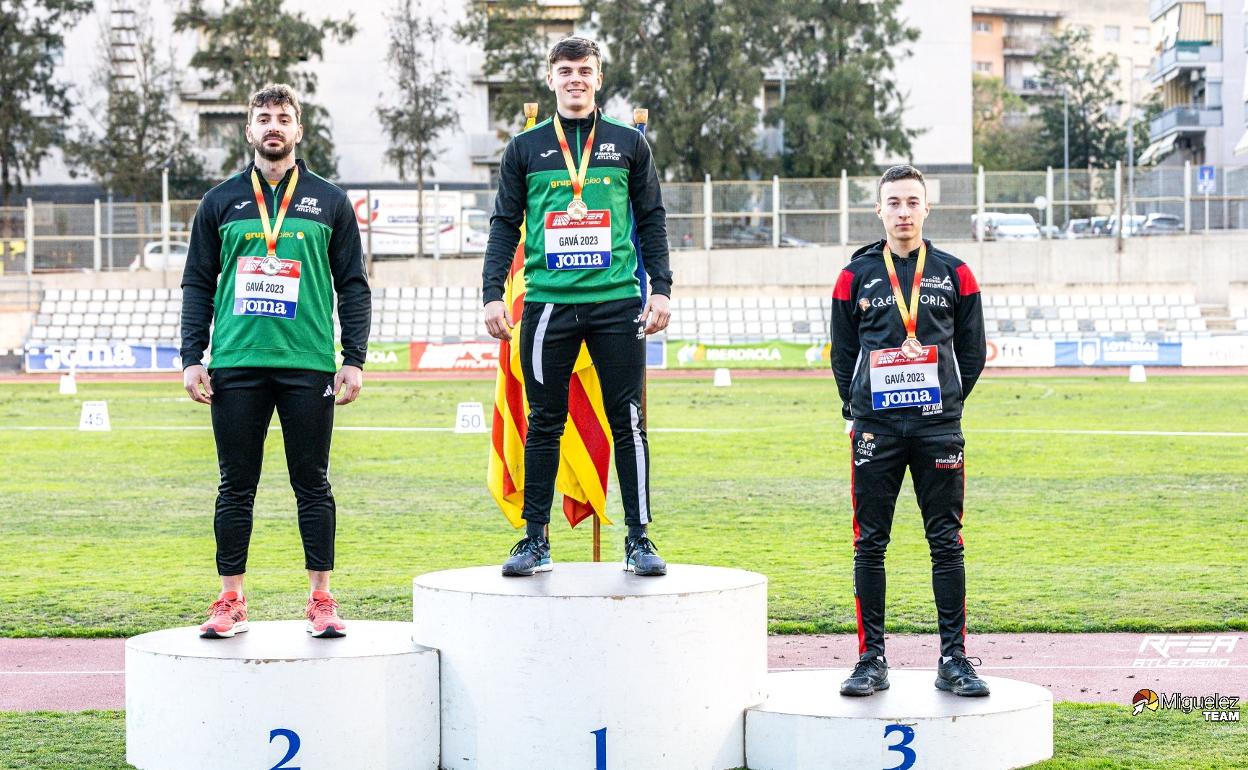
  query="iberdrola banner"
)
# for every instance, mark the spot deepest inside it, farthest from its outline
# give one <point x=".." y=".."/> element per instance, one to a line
<point x="687" y="354"/>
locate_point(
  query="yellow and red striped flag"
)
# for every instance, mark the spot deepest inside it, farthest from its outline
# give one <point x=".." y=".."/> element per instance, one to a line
<point x="585" y="452"/>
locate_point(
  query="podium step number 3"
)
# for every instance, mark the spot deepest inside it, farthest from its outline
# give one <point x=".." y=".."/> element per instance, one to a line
<point x="470" y="417"/>
<point x="94" y="416"/>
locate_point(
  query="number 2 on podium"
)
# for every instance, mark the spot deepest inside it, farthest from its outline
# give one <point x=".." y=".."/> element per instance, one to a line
<point x="292" y="747"/>
<point x="902" y="747"/>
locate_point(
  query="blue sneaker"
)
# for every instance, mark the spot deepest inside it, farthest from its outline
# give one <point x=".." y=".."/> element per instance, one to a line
<point x="530" y="555"/>
<point x="642" y="558"/>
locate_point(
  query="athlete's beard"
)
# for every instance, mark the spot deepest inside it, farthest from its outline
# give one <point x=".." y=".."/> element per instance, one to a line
<point x="273" y="155"/>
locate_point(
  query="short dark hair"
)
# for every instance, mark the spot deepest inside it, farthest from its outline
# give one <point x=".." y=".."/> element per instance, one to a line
<point x="573" y="49"/>
<point x="276" y="95"/>
<point x="897" y="173"/>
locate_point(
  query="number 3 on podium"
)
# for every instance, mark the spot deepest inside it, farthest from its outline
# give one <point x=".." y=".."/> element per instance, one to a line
<point x="902" y="747"/>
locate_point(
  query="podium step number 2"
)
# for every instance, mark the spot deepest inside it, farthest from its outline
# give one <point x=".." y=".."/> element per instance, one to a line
<point x="292" y="748"/>
<point x="94" y="416"/>
<point x="470" y="417"/>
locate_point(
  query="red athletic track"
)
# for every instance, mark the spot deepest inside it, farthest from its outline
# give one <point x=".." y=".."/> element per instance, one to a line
<point x="78" y="674"/>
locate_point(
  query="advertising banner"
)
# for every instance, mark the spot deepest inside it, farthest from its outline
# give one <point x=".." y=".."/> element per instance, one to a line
<point x="1230" y="350"/>
<point x="686" y="354"/>
<point x="1118" y="352"/>
<point x="1021" y="351"/>
<point x="427" y="356"/>
<point x="103" y="357"/>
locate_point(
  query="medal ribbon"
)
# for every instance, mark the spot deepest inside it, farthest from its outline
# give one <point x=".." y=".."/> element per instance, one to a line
<point x="910" y="316"/>
<point x="578" y="178"/>
<point x="272" y="231"/>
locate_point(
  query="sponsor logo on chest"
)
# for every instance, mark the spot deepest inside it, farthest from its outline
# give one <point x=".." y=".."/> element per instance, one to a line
<point x="308" y="206"/>
<point x="607" y="151"/>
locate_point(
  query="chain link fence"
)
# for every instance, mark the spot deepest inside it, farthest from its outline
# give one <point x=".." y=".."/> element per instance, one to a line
<point x="789" y="213"/>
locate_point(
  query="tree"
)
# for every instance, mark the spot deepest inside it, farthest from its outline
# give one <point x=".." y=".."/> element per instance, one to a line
<point x="514" y="35"/>
<point x="423" y="113"/>
<point x="1068" y="70"/>
<point x="1006" y="136"/>
<point x="253" y="42"/>
<point x="133" y="133"/>
<point x="35" y="104"/>
<point x="841" y="105"/>
<point x="697" y="65"/>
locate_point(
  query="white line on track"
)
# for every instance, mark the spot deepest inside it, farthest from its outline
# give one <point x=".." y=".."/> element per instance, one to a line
<point x="1107" y="668"/>
<point x="66" y="672"/>
<point x="419" y="429"/>
<point x="1072" y="432"/>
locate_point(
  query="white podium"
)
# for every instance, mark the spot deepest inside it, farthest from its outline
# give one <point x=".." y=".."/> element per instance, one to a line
<point x="274" y="698"/>
<point x="806" y="723"/>
<point x="592" y="667"/>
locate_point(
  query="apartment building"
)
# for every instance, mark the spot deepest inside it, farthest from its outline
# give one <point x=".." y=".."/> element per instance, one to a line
<point x="1198" y="69"/>
<point x="1009" y="34"/>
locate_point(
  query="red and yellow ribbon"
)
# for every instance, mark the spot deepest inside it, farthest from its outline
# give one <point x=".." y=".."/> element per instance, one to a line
<point x="909" y="316"/>
<point x="274" y="230"/>
<point x="578" y="177"/>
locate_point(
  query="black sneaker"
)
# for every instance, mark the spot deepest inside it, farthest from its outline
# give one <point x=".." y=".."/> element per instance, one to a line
<point x="958" y="676"/>
<point x="530" y="555"/>
<point x="869" y="675"/>
<point x="642" y="558"/>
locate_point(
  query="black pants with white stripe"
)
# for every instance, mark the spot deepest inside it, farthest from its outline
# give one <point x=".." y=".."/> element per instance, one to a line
<point x="937" y="469"/>
<point x="243" y="401"/>
<point x="550" y="340"/>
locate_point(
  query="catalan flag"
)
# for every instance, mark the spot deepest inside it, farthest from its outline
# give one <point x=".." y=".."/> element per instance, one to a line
<point x="585" y="452"/>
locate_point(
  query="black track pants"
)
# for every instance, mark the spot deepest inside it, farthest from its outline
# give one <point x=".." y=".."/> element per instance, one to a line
<point x="550" y="339"/>
<point x="936" y="467"/>
<point x="242" y="406"/>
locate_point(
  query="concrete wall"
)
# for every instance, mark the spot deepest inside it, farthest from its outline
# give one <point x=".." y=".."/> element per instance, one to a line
<point x="1206" y="265"/>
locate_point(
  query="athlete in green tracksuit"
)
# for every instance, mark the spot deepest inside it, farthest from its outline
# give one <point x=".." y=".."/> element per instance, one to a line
<point x="578" y="182"/>
<point x="269" y="248"/>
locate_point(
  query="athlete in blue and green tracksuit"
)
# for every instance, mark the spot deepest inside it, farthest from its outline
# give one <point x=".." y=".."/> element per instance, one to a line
<point x="579" y="182"/>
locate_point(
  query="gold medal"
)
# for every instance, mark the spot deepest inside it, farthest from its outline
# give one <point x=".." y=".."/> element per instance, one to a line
<point x="577" y="209"/>
<point x="912" y="349"/>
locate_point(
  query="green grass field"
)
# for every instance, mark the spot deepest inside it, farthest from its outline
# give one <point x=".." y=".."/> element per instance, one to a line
<point x="110" y="534"/>
<point x="1086" y="737"/>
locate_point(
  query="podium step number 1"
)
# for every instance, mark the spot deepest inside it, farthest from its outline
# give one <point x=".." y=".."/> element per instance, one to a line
<point x="470" y="417"/>
<point x="94" y="416"/>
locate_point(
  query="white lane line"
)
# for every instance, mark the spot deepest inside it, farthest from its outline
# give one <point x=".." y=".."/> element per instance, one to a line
<point x="61" y="673"/>
<point x="1075" y="432"/>
<point x="416" y="429"/>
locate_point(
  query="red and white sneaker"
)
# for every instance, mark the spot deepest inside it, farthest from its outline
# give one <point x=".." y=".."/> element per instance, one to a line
<point x="323" y="620"/>
<point x="226" y="617"/>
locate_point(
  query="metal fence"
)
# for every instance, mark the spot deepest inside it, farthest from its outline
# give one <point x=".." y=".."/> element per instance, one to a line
<point x="46" y="237"/>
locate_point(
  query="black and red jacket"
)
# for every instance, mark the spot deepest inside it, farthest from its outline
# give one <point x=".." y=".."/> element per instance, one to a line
<point x="865" y="318"/>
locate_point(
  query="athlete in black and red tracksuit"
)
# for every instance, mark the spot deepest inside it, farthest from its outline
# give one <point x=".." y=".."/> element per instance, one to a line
<point x="905" y="399"/>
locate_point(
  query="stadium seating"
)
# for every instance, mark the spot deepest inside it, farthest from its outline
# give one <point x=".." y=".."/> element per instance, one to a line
<point x="451" y="314"/>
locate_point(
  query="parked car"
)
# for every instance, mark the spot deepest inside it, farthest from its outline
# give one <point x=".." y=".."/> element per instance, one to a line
<point x="1132" y="224"/>
<point x="744" y="237"/>
<point x="153" y="257"/>
<point x="1161" y="224"/>
<point x="1099" y="225"/>
<point x="999" y="226"/>
<point x="1077" y="228"/>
